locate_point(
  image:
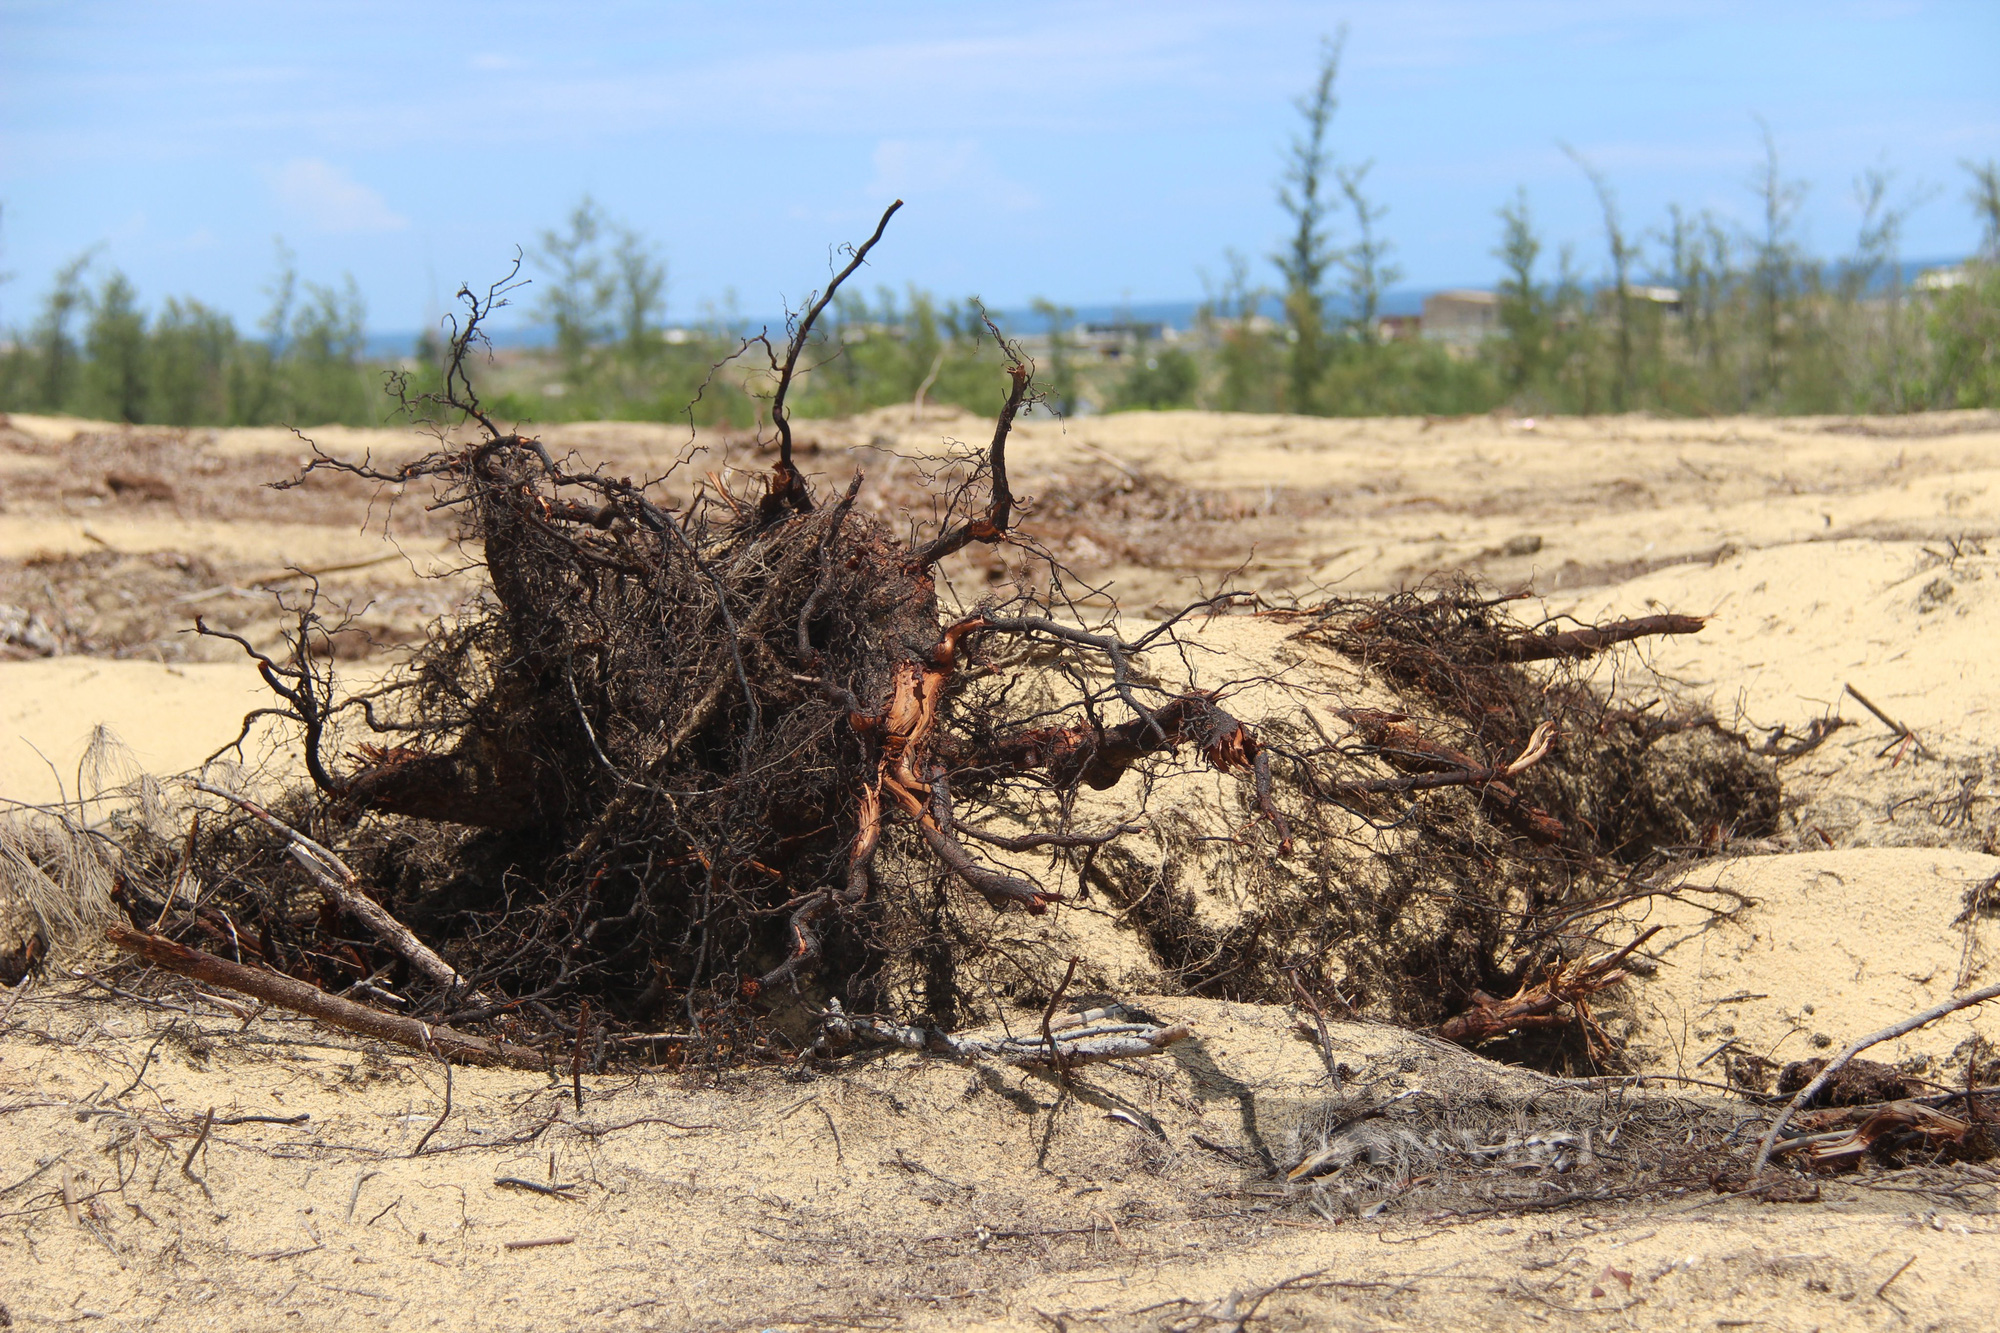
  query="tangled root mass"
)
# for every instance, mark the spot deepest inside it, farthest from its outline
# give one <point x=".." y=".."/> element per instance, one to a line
<point x="711" y="764"/>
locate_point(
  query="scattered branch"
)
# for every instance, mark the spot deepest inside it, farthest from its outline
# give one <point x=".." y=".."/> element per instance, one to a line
<point x="1839" y="1062"/>
<point x="316" y="1003"/>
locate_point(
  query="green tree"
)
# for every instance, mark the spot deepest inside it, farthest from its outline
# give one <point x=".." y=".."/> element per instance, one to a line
<point x="1309" y="254"/>
<point x="256" y="395"/>
<point x="57" y="370"/>
<point x="1060" y="374"/>
<point x="193" y="348"/>
<point x="1871" y="297"/>
<point x="1365" y="263"/>
<point x="1622" y="253"/>
<point x="1984" y="196"/>
<point x="321" y="365"/>
<point x="1524" y="306"/>
<point x="115" y="377"/>
<point x="1245" y="353"/>
<point x="1159" y="378"/>
<point x="578" y="294"/>
<point x="639" y="296"/>
<point x="1775" y="275"/>
<point x="1964" y="320"/>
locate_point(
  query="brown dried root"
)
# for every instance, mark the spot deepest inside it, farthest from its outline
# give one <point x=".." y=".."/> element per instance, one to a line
<point x="1559" y="999"/>
<point x="1839" y="1062"/>
<point x="1902" y="1123"/>
<point x="1436" y="765"/>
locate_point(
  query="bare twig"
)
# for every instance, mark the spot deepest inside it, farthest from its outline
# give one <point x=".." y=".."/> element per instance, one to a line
<point x="1048" y="1014"/>
<point x="991" y="526"/>
<point x="787" y="488"/>
<point x="552" y="1191"/>
<point x="1902" y="731"/>
<point x="1088" y="1045"/>
<point x="1594" y="639"/>
<point x="1839" y="1062"/>
<point x="437" y="1124"/>
<point x="342" y="885"/>
<point x="187" y="1163"/>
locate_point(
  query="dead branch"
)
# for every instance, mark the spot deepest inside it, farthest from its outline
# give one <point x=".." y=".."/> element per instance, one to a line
<point x="1566" y="987"/>
<point x="1839" y="1062"/>
<point x="1903" y="733"/>
<point x="788" y="488"/>
<point x="1593" y="639"/>
<point x="1433" y="765"/>
<point x="274" y="988"/>
<point x="991" y="526"/>
<point x="1872" y="1127"/>
<point x="341" y="884"/>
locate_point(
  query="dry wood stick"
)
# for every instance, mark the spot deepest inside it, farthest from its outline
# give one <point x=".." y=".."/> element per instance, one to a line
<point x="1592" y="639"/>
<point x="443" y="1115"/>
<point x="1891" y="723"/>
<point x="342" y="885"/>
<point x="289" y="993"/>
<point x="1048" y="1014"/>
<point x="1839" y="1062"/>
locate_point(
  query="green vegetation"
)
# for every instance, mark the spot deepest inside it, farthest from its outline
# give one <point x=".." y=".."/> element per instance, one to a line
<point x="93" y="351"/>
<point x="1692" y="317"/>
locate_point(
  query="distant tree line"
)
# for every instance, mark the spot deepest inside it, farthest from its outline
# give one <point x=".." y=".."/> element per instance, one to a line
<point x="1693" y="316"/>
<point x="94" y="351"/>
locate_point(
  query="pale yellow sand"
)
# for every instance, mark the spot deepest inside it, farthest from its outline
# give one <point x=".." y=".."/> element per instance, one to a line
<point x="161" y="719"/>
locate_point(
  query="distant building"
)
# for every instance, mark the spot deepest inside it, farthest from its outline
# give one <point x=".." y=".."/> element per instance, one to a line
<point x="1942" y="279"/>
<point x="1462" y="318"/>
<point x="1114" y="338"/>
<point x="1667" y="297"/>
<point x="1396" y="328"/>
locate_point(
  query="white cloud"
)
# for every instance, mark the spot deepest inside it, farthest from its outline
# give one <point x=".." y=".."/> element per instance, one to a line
<point x="325" y="198"/>
<point x="916" y="169"/>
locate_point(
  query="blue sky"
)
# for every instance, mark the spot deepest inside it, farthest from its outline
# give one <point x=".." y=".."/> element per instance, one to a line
<point x="1089" y="152"/>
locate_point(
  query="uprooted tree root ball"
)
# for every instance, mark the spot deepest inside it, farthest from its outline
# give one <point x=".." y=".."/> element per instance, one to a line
<point x="712" y="761"/>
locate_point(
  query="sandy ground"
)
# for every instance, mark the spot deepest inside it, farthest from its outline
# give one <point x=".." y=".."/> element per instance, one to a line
<point x="908" y="1193"/>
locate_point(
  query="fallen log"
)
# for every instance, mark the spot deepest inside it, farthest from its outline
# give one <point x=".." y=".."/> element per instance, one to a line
<point x="289" y="993"/>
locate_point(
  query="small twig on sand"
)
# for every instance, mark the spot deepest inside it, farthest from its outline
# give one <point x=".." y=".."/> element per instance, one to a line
<point x="576" y="1057"/>
<point x="1839" y="1062"/>
<point x="553" y="1191"/>
<point x="354" y="1195"/>
<point x="1090" y="1044"/>
<point x="1902" y="731"/>
<point x="1048" y="1015"/>
<point x="1881" y="1291"/>
<point x="536" y="1244"/>
<point x="187" y="1163"/>
<point x="437" y="1124"/>
<point x="14" y="999"/>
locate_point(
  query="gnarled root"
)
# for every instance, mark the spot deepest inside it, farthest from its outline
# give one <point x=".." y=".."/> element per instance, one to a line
<point x="1559" y="999"/>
